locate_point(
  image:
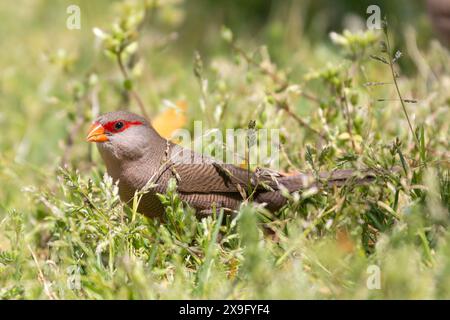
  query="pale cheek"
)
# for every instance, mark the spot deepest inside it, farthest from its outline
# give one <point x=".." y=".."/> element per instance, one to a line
<point x="124" y="145"/>
<point x="106" y="149"/>
<point x="120" y="146"/>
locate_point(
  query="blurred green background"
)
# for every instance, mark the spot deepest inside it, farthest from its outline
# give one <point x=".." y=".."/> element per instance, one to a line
<point x="37" y="48"/>
<point x="51" y="77"/>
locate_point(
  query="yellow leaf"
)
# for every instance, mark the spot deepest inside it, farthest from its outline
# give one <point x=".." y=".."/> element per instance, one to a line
<point x="344" y="241"/>
<point x="171" y="119"/>
<point x="344" y="136"/>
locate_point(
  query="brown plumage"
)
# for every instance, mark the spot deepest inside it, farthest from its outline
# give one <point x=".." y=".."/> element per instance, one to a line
<point x="134" y="154"/>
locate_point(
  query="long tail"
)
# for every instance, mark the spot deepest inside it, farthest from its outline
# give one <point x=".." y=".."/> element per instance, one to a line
<point x="334" y="178"/>
<point x="276" y="200"/>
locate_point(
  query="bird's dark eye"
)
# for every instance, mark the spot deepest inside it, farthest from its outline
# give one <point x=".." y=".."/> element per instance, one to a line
<point x="119" y="125"/>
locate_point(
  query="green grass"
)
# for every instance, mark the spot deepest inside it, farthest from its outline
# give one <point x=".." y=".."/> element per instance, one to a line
<point x="64" y="234"/>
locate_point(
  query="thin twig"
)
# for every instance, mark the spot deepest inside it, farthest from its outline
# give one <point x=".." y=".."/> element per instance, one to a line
<point x="73" y="132"/>
<point x="135" y="95"/>
<point x="391" y="65"/>
<point x="284" y="106"/>
<point x="283" y="85"/>
<point x="70" y="138"/>
<point x="286" y="156"/>
<point x="273" y="75"/>
<point x="348" y="118"/>
<point x="41" y="277"/>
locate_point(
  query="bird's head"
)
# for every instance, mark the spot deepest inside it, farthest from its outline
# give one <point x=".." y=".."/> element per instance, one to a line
<point x="121" y="135"/>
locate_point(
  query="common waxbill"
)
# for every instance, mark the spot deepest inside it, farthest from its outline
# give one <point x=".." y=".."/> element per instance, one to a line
<point x="134" y="154"/>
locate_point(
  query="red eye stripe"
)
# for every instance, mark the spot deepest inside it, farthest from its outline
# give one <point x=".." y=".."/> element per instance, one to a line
<point x="111" y="126"/>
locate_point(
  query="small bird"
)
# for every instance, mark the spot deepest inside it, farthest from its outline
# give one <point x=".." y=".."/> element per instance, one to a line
<point x="138" y="157"/>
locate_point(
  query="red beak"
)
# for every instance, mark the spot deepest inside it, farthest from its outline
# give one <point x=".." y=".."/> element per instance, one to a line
<point x="96" y="133"/>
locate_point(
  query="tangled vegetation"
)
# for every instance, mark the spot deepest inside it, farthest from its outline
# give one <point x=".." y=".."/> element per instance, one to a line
<point x="343" y="102"/>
